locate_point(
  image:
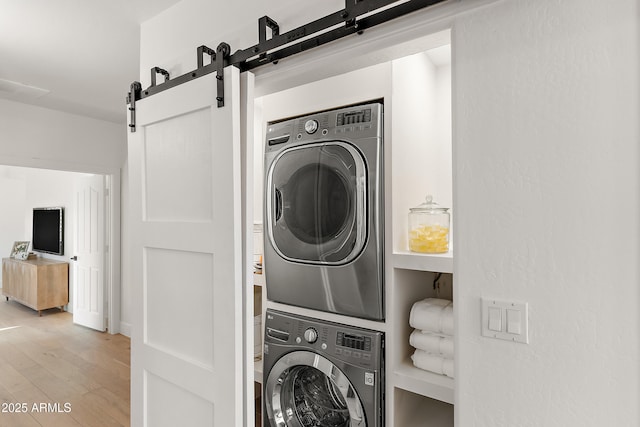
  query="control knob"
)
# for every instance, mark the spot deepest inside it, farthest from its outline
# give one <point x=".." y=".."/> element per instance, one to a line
<point x="311" y="126"/>
<point x="311" y="335"/>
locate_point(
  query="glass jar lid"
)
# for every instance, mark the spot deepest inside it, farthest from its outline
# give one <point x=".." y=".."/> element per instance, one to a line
<point x="429" y="206"/>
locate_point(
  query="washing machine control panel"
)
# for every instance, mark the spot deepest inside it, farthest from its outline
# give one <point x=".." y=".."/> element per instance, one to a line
<point x="357" y="346"/>
<point x="277" y="334"/>
<point x="356" y="342"/>
<point x="311" y="126"/>
<point x="311" y="335"/>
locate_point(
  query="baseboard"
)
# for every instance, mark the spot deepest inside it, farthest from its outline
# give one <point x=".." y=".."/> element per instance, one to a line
<point x="125" y="329"/>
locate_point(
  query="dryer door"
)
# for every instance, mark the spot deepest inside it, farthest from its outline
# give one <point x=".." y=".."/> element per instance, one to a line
<point x="316" y="203"/>
<point x="304" y="389"/>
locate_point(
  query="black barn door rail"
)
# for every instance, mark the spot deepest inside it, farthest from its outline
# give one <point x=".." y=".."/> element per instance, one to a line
<point x="357" y="16"/>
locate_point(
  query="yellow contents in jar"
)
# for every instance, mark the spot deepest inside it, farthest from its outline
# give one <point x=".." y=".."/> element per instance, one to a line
<point x="432" y="239"/>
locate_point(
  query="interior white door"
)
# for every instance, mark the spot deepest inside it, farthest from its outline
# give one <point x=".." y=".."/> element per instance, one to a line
<point x="185" y="175"/>
<point x="88" y="264"/>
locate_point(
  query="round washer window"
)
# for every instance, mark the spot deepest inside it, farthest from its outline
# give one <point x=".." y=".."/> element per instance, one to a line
<point x="314" y="398"/>
<point x="304" y="389"/>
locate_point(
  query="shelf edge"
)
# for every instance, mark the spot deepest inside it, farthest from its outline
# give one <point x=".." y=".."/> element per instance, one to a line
<point x="424" y="383"/>
<point x="440" y="263"/>
<point x="258" y="279"/>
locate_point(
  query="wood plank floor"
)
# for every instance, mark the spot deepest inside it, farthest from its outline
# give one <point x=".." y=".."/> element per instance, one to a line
<point x="60" y="374"/>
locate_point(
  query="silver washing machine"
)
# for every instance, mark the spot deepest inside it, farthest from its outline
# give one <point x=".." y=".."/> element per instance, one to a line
<point x="324" y="210"/>
<point x="321" y="374"/>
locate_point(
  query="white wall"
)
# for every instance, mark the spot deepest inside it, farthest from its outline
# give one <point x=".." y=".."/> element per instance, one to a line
<point x="34" y="136"/>
<point x="545" y="152"/>
<point x="12" y="195"/>
<point x="548" y="207"/>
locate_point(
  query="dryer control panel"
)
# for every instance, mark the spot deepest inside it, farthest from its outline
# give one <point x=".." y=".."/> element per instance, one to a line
<point x="353" y="117"/>
<point x="356" y="122"/>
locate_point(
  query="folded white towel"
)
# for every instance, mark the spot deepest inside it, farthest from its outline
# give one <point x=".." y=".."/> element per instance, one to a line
<point x="433" y="363"/>
<point x="430" y="342"/>
<point x="433" y="315"/>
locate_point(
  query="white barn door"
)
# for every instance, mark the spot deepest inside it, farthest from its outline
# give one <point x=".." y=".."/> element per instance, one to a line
<point x="185" y="174"/>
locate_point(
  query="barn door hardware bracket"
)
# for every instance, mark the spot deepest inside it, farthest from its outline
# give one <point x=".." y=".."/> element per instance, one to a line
<point x="136" y="88"/>
<point x="202" y="50"/>
<point x="264" y="23"/>
<point x="222" y="54"/>
<point x="157" y="70"/>
<point x="356" y="17"/>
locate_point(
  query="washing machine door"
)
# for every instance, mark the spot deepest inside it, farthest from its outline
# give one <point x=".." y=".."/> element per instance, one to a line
<point x="304" y="389"/>
<point x="316" y="203"/>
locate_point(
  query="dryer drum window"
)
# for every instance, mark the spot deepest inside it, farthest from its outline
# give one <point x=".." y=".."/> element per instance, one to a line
<point x="316" y="205"/>
<point x="320" y="204"/>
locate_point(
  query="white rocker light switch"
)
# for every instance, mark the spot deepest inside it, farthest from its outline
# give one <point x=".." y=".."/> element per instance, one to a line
<point x="495" y="319"/>
<point x="505" y="320"/>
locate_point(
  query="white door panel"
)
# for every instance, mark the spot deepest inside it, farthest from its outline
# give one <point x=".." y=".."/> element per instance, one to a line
<point x="88" y="265"/>
<point x="185" y="174"/>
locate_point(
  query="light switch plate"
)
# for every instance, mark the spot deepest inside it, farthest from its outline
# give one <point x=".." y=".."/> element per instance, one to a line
<point x="505" y="320"/>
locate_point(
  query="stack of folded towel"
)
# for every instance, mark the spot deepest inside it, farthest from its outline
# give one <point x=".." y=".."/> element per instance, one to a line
<point x="432" y="338"/>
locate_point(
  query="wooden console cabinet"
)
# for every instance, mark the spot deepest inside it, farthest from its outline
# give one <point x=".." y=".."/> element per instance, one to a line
<point x="37" y="283"/>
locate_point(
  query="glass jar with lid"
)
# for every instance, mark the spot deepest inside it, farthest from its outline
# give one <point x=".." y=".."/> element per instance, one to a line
<point x="429" y="228"/>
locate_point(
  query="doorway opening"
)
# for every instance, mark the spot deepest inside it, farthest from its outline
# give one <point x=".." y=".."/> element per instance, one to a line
<point x="23" y="188"/>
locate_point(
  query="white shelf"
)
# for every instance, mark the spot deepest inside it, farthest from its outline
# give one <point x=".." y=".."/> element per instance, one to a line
<point x="438" y="263"/>
<point x="428" y="384"/>
<point x="413" y="410"/>
<point x="257" y="371"/>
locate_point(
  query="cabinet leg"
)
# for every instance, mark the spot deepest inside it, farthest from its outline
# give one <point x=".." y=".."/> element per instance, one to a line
<point x="40" y="313"/>
<point x="7" y="298"/>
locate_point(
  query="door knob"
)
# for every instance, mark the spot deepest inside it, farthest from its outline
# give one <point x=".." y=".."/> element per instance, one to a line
<point x="74" y="258"/>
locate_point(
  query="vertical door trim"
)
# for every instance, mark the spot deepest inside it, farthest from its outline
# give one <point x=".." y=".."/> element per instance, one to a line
<point x="247" y="80"/>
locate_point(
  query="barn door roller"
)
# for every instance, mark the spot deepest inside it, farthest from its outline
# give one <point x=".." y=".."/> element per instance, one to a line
<point x="222" y="55"/>
<point x="356" y="17"/>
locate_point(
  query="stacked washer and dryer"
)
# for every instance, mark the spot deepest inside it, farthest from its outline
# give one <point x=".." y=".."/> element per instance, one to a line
<point x="324" y="231"/>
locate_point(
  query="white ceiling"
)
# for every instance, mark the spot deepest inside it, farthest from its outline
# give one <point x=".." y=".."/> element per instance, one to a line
<point x="77" y="56"/>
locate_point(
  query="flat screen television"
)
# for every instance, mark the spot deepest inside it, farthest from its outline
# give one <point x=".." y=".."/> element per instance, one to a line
<point x="48" y="230"/>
